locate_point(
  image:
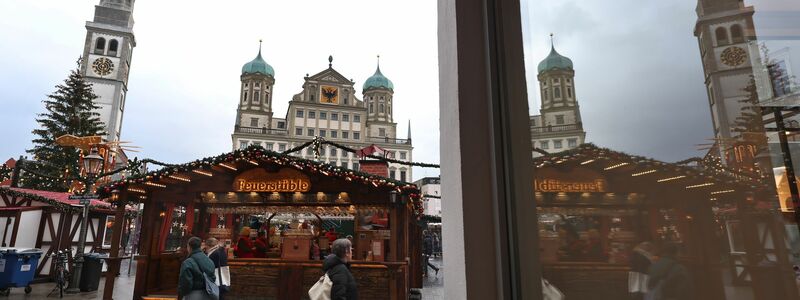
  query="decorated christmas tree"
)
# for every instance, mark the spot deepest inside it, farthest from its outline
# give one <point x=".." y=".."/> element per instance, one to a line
<point x="68" y="110"/>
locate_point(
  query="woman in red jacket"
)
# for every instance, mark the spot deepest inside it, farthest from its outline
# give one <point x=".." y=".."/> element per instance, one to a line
<point x="244" y="247"/>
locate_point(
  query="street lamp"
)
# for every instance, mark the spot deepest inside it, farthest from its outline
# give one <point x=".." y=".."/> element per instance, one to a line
<point x="92" y="165"/>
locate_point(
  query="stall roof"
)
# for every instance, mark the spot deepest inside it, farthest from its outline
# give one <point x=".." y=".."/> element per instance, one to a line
<point x="609" y="162"/>
<point x="251" y="156"/>
<point x="56" y="199"/>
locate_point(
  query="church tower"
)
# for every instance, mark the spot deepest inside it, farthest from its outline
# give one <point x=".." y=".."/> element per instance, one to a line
<point x="559" y="127"/>
<point x="726" y="38"/>
<point x="378" y="92"/>
<point x="255" y="99"/>
<point x="107" y="60"/>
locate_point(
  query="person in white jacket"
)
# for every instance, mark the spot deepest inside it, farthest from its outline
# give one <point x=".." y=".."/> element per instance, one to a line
<point x="219" y="256"/>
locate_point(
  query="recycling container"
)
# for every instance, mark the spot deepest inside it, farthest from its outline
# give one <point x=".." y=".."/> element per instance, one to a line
<point x="17" y="267"/>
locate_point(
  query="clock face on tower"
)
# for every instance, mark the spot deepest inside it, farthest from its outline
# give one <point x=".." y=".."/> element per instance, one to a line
<point x="329" y="94"/>
<point x="102" y="66"/>
<point x="733" y="56"/>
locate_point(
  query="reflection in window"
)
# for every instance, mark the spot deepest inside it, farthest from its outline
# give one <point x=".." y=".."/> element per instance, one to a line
<point x="176" y="224"/>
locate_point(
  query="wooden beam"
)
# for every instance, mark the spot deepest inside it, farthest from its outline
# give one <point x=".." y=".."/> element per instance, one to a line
<point x="15" y="230"/>
<point x="116" y="236"/>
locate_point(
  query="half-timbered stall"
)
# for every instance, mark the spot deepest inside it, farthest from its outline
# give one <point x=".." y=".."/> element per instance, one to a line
<point x="595" y="205"/>
<point x="49" y="221"/>
<point x="298" y="206"/>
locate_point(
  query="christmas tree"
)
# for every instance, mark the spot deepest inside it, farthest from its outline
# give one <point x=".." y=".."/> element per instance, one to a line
<point x="69" y="110"/>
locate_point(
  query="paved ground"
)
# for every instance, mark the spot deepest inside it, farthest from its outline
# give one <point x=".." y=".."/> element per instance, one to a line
<point x="433" y="286"/>
<point x="123" y="289"/>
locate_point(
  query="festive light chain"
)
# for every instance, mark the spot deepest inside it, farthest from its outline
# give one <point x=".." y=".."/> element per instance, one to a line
<point x="319" y="141"/>
<point x="63" y="207"/>
<point x="257" y="152"/>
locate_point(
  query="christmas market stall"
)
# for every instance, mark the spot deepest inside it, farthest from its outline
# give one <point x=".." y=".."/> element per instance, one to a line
<point x="50" y="221"/>
<point x="595" y="205"/>
<point x="277" y="216"/>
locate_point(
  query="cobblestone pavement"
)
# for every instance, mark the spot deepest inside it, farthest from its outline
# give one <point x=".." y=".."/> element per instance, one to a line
<point x="433" y="286"/>
<point x="123" y="288"/>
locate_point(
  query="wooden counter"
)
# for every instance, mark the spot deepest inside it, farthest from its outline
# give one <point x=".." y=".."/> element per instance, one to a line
<point x="584" y="280"/>
<point x="254" y="278"/>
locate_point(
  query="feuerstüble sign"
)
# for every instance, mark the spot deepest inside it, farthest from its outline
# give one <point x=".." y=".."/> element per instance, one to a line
<point x="259" y="180"/>
<point x="553" y="185"/>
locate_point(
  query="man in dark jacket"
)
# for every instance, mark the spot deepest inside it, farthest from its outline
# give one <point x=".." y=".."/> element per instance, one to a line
<point x="668" y="279"/>
<point x="219" y="256"/>
<point x="191" y="284"/>
<point x="336" y="265"/>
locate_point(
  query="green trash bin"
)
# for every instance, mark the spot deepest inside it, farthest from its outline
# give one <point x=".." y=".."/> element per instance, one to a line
<point x="90" y="274"/>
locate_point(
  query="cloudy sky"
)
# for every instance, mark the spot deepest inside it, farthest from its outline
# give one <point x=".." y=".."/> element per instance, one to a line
<point x="638" y="76"/>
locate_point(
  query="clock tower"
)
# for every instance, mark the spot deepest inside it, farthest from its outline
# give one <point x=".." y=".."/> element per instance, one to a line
<point x="726" y="38"/>
<point x="107" y="60"/>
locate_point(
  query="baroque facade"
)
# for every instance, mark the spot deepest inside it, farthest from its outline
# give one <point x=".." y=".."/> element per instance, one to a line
<point x="558" y="127"/>
<point x="327" y="107"/>
<point x="106" y="60"/>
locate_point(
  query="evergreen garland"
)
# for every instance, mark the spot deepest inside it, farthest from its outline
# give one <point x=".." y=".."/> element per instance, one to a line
<point x="69" y="110"/>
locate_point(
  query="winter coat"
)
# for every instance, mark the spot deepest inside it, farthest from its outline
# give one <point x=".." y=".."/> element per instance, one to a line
<point x="344" y="284"/>
<point x="219" y="257"/>
<point x="639" y="263"/>
<point x="673" y="276"/>
<point x="427" y="245"/>
<point x="244" y="248"/>
<point x="191" y="274"/>
<point x="261" y="247"/>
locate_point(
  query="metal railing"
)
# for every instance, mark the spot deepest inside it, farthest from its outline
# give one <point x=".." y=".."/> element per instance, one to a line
<point x="388" y="140"/>
<point x="262" y="130"/>
<point x="557" y="128"/>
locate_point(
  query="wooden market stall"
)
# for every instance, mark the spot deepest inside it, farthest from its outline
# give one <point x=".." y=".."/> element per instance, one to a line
<point x="595" y="205"/>
<point x="292" y="200"/>
<point x="50" y="221"/>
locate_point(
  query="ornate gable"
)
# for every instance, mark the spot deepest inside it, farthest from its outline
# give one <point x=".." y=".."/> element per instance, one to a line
<point x="332" y="76"/>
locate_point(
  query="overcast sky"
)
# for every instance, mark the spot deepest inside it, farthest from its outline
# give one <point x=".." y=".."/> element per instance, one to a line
<point x="638" y="75"/>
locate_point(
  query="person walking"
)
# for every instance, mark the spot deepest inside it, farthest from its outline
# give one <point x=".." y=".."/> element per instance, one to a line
<point x="191" y="284"/>
<point x="640" y="260"/>
<point x="427" y="251"/>
<point x="337" y="266"/>
<point x="217" y="254"/>
<point x="667" y="278"/>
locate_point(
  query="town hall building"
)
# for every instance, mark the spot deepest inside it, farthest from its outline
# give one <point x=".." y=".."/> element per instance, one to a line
<point x="328" y="107"/>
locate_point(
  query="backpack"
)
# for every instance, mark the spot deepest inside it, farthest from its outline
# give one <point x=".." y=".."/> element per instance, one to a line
<point x="322" y="289"/>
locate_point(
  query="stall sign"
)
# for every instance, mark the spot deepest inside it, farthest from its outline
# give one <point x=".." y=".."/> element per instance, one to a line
<point x="554" y="185"/>
<point x="220" y="233"/>
<point x="259" y="180"/>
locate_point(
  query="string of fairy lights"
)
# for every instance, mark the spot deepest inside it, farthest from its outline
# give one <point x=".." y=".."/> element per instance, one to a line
<point x="318" y="142"/>
<point x="255" y="154"/>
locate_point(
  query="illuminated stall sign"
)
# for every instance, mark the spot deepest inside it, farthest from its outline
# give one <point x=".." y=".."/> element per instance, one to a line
<point x="554" y="185"/>
<point x="259" y="180"/>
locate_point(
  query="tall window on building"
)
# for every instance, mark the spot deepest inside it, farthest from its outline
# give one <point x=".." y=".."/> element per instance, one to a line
<point x="572" y="143"/>
<point x="344" y="101"/>
<point x="281" y="125"/>
<point x="559" y="119"/>
<point x="721" y="35"/>
<point x="253" y="122"/>
<point x="356" y="136"/>
<point x="345" y="118"/>
<point x="557" y="92"/>
<point x="299" y="113"/>
<point x="298" y="131"/>
<point x="381" y="131"/>
<point x="345" y="134"/>
<point x="334" y="134"/>
<point x="312" y="115"/>
<point x="334" y="117"/>
<point x="322" y="133"/>
<point x="311" y="132"/>
<point x="402" y="175"/>
<point x="100" y="46"/>
<point x="356" y="166"/>
<point x="392" y="174"/>
<point x="242" y="144"/>
<point x="569" y="92"/>
<point x="281" y="147"/>
<point x="333" y="152"/>
<point x="256" y="96"/>
<point x="371" y="109"/>
<point x="544" y="144"/>
<point x="382" y="109"/>
<point x="323" y="115"/>
<point x="244" y="97"/>
<point x="356" y="118"/>
<point x="557" y="144"/>
<point x="113" y="46"/>
<point x="268" y="146"/>
<point x="545" y="94"/>
<point x="402" y="155"/>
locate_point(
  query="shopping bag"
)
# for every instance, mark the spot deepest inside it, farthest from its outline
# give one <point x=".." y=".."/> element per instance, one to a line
<point x="322" y="289"/>
<point x="550" y="292"/>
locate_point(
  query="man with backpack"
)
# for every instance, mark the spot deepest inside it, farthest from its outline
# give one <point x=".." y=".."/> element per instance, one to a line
<point x="668" y="279"/>
<point x="191" y="282"/>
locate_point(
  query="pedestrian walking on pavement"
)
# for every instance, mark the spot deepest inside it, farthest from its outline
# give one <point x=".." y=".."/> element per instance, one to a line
<point x="217" y="254"/>
<point x="337" y="266"/>
<point x="191" y="284"/>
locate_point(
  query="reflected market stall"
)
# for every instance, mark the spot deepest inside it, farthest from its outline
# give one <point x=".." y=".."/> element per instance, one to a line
<point x="277" y="214"/>
<point x="595" y="205"/>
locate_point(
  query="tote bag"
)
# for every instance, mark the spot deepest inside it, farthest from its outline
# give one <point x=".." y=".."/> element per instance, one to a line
<point x="211" y="288"/>
<point x="322" y="289"/>
<point x="550" y="292"/>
